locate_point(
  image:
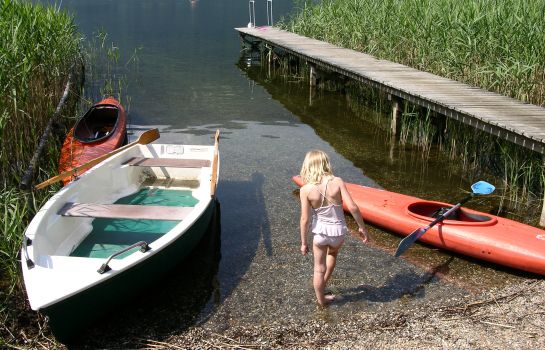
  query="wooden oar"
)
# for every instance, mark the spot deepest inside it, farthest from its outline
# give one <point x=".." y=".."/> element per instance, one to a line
<point x="478" y="188"/>
<point x="214" y="182"/>
<point x="146" y="137"/>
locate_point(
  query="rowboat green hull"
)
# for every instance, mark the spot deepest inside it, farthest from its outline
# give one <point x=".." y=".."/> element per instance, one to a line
<point x="70" y="316"/>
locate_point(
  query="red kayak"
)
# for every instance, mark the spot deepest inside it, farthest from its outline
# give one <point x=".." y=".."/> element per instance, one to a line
<point x="472" y="233"/>
<point x="101" y="130"/>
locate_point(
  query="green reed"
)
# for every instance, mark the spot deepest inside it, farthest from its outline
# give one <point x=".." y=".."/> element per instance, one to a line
<point x="496" y="45"/>
<point x="38" y="47"/>
<point x="519" y="172"/>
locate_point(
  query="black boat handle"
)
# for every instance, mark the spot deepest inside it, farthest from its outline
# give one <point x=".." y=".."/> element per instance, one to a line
<point x="144" y="247"/>
<point x="26" y="242"/>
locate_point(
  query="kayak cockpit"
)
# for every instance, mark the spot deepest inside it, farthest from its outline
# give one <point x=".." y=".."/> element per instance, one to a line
<point x="97" y="124"/>
<point x="428" y="211"/>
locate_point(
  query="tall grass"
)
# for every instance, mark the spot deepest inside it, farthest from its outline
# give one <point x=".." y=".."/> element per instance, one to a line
<point x="498" y="45"/>
<point x="38" y="46"/>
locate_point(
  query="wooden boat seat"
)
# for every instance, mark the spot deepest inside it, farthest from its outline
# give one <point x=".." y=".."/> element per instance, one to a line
<point x="125" y="211"/>
<point x="166" y="162"/>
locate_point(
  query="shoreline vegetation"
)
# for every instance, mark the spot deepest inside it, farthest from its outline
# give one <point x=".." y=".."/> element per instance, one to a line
<point x="494" y="45"/>
<point x="39" y="47"/>
<point x="40" y="51"/>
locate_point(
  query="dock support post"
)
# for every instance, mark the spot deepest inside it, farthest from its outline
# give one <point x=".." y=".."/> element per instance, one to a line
<point x="542" y="218"/>
<point x="313" y="75"/>
<point x="396" y="114"/>
<point x="313" y="78"/>
<point x="269" y="58"/>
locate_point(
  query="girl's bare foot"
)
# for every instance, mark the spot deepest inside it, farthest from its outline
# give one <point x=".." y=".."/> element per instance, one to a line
<point x="328" y="299"/>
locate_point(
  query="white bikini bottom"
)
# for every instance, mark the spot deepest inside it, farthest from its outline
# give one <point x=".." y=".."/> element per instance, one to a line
<point x="332" y="241"/>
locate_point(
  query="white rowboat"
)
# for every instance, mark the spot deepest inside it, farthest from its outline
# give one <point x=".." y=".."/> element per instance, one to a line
<point x="112" y="232"/>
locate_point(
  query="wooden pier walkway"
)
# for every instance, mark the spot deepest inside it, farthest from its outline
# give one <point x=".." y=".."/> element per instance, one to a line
<point x="510" y="119"/>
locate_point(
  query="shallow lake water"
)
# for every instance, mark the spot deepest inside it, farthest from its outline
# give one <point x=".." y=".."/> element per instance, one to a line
<point x="192" y="79"/>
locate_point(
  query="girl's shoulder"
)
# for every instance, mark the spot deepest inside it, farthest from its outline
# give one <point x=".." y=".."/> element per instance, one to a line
<point x="337" y="180"/>
<point x="307" y="187"/>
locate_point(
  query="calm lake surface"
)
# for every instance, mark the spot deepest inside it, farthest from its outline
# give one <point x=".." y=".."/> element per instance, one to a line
<point x="191" y="79"/>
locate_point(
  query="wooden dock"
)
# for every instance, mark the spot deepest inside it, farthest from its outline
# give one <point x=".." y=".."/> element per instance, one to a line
<point x="508" y="118"/>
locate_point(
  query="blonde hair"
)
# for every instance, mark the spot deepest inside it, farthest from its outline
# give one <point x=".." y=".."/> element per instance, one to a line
<point x="315" y="167"/>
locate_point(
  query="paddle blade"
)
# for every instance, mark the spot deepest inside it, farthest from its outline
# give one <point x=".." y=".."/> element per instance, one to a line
<point x="482" y="187"/>
<point x="148" y="136"/>
<point x="408" y="241"/>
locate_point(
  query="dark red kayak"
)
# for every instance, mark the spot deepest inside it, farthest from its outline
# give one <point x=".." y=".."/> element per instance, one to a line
<point x="101" y="130"/>
<point x="472" y="233"/>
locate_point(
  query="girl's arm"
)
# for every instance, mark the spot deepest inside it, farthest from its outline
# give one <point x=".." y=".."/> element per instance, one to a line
<point x="305" y="219"/>
<point x="354" y="210"/>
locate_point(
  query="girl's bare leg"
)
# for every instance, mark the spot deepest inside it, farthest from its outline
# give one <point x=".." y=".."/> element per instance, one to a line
<point x="331" y="261"/>
<point x="320" y="268"/>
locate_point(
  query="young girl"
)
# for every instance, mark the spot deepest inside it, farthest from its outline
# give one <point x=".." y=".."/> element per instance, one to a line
<point x="322" y="197"/>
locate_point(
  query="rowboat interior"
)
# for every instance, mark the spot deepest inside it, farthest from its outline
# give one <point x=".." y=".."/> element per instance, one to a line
<point x="98" y="123"/>
<point x="142" y="200"/>
<point x="110" y="235"/>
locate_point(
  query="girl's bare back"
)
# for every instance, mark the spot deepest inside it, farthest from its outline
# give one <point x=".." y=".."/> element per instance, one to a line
<point x="333" y="195"/>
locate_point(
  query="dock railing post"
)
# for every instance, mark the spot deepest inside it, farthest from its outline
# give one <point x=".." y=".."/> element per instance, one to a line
<point x="251" y="10"/>
<point x="269" y="13"/>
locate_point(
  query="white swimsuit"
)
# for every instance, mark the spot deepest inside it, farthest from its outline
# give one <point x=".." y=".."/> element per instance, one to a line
<point x="328" y="222"/>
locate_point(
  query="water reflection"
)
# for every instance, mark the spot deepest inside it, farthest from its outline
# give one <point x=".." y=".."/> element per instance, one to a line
<point x="362" y="137"/>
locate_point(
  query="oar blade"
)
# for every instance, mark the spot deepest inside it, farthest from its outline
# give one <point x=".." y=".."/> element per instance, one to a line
<point x="408" y="241"/>
<point x="148" y="136"/>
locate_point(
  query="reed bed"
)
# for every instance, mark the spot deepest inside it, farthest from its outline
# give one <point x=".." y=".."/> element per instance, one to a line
<point x="38" y="46"/>
<point x="495" y="45"/>
<point x="518" y="172"/>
